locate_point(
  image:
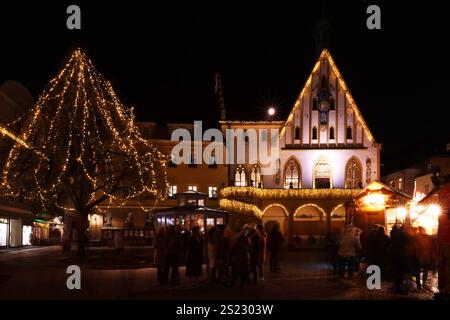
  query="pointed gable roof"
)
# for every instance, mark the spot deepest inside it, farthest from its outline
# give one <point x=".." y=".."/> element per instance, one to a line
<point x="351" y="102"/>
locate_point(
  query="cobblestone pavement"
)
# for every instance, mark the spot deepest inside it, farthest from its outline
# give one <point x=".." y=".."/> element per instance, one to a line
<point x="40" y="273"/>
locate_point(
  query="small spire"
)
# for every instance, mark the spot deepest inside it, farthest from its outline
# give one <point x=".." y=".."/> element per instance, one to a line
<point x="219" y="92"/>
<point x="323" y="32"/>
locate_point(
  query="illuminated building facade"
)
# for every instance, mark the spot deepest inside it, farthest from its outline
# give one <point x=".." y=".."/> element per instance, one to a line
<point x="327" y="153"/>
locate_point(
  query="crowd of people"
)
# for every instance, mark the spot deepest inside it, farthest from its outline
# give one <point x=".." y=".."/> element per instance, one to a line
<point x="230" y="258"/>
<point x="407" y="253"/>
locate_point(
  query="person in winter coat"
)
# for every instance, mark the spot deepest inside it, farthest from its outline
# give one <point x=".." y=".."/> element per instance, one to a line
<point x="425" y="252"/>
<point x="349" y="246"/>
<point x="223" y="244"/>
<point x="262" y="250"/>
<point x="160" y="256"/>
<point x="380" y="248"/>
<point x="174" y="247"/>
<point x="240" y="258"/>
<point x="212" y="251"/>
<point x="333" y="242"/>
<point x="274" y="241"/>
<point x="194" y="256"/>
<point x="255" y="253"/>
<point x="398" y="257"/>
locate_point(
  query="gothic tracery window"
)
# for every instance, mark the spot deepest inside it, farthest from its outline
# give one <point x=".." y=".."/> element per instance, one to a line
<point x="240" y="176"/>
<point x="322" y="174"/>
<point x="292" y="175"/>
<point x="255" y="176"/>
<point x="353" y="172"/>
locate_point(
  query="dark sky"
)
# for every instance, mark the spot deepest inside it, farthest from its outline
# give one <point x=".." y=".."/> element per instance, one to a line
<point x="162" y="56"/>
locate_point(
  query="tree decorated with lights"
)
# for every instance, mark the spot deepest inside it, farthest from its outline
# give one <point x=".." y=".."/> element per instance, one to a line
<point x="82" y="148"/>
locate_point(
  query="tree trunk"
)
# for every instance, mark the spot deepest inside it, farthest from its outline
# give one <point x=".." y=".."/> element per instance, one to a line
<point x="83" y="239"/>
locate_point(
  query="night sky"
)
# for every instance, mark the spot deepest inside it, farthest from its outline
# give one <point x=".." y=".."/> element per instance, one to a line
<point x="161" y="58"/>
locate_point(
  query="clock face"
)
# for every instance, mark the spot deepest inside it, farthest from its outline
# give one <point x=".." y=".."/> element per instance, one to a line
<point x="323" y="106"/>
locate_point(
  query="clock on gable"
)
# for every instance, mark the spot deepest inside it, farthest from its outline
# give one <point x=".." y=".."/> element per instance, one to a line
<point x="324" y="105"/>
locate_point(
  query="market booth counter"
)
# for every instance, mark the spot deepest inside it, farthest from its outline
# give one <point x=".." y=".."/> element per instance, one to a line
<point x="191" y="211"/>
<point x="379" y="204"/>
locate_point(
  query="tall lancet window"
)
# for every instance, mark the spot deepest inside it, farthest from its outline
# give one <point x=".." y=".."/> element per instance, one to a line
<point x="314" y="133"/>
<point x="332" y="104"/>
<point x="314" y="104"/>
<point x="349" y="132"/>
<point x="353" y="172"/>
<point x="297" y="133"/>
<point x="331" y="133"/>
<point x="255" y="176"/>
<point x="240" y="176"/>
<point x="292" y="175"/>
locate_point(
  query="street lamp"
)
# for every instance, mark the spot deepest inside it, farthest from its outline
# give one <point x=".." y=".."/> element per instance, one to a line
<point x="271" y="111"/>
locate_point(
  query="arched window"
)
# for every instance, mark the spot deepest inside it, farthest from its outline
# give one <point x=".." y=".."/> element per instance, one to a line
<point x="353" y="171"/>
<point x="255" y="176"/>
<point x="314" y="133"/>
<point x="331" y="133"/>
<point x="297" y="133"/>
<point x="314" y="102"/>
<point x="332" y="104"/>
<point x="240" y="176"/>
<point x="292" y="175"/>
<point x="322" y="174"/>
<point x="349" y="132"/>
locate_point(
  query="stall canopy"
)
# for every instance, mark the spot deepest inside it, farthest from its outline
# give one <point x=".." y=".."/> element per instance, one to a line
<point x="191" y="211"/>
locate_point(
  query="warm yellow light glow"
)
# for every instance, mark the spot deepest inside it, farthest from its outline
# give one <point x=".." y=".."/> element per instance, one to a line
<point x="426" y="217"/>
<point x="375" y="200"/>
<point x="401" y="213"/>
<point x="433" y="210"/>
<point x="260" y="193"/>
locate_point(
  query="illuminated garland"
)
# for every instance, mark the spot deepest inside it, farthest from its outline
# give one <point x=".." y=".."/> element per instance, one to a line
<point x="89" y="148"/>
<point x="252" y="192"/>
<point x="6" y="132"/>
<point x="326" y="54"/>
<point x="240" y="207"/>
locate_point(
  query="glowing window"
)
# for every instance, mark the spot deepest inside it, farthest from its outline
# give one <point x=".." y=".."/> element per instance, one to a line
<point x="353" y="179"/>
<point x="240" y="176"/>
<point x="292" y="175"/>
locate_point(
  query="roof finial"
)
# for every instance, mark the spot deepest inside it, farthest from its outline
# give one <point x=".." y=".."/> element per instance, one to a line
<point x="219" y="92"/>
<point x="323" y="32"/>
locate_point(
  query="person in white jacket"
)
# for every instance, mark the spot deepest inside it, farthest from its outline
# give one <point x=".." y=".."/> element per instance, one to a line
<point x="348" y="249"/>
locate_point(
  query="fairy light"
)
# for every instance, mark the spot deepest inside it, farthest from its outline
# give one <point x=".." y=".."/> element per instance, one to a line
<point x="260" y="193"/>
<point x="326" y="54"/>
<point x="82" y="132"/>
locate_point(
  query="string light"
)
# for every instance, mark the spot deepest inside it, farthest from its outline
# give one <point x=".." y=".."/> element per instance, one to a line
<point x="326" y="54"/>
<point x="259" y="193"/>
<point x="89" y="149"/>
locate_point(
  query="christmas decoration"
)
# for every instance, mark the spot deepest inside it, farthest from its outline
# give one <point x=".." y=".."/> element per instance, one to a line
<point x="79" y="147"/>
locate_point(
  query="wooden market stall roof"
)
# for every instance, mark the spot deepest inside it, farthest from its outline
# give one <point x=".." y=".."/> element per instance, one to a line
<point x="377" y="186"/>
